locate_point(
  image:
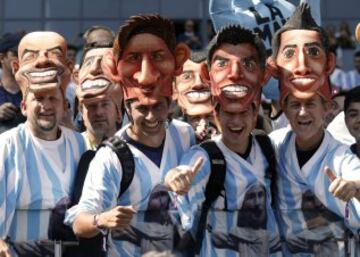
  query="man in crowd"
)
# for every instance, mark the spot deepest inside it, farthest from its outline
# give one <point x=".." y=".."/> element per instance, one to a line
<point x="307" y="153"/>
<point x="100" y="99"/>
<point x="39" y="157"/>
<point x="10" y="94"/>
<point x="194" y="97"/>
<point x="144" y="59"/>
<point x="236" y="62"/>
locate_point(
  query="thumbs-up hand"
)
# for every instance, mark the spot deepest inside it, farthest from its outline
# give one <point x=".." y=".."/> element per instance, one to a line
<point x="180" y="180"/>
<point x="341" y="188"/>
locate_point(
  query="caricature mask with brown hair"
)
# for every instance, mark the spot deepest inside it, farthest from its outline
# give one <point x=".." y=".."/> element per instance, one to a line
<point x="42" y="63"/>
<point x="145" y="58"/>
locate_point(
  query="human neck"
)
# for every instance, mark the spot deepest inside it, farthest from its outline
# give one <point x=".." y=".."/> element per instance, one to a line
<point x="9" y="83"/>
<point x="237" y="147"/>
<point x="154" y="140"/>
<point x="52" y="135"/>
<point x="310" y="143"/>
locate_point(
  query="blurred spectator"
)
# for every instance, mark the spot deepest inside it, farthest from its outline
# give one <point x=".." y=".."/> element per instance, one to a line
<point x="10" y="95"/>
<point x="353" y="76"/>
<point x="345" y="39"/>
<point x="331" y="31"/>
<point x="338" y="77"/>
<point x="189" y="36"/>
<point x="93" y="33"/>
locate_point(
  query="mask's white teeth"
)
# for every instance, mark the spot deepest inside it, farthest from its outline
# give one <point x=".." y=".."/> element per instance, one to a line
<point x="43" y="73"/>
<point x="237" y="91"/>
<point x="97" y="83"/>
<point x="198" y="94"/>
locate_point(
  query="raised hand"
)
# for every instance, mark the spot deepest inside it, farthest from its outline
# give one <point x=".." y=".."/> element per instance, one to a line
<point x="341" y="188"/>
<point x="180" y="180"/>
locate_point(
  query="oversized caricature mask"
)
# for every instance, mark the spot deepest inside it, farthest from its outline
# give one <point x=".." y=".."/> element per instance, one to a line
<point x="93" y="85"/>
<point x="42" y="64"/>
<point x="192" y="92"/>
<point x="301" y="59"/>
<point x="237" y="64"/>
<point x="145" y="58"/>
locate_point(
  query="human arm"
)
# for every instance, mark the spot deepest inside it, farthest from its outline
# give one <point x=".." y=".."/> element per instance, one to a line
<point x="89" y="225"/>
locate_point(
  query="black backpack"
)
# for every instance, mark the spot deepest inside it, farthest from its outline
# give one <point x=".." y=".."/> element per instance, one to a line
<point x="89" y="247"/>
<point x="216" y="181"/>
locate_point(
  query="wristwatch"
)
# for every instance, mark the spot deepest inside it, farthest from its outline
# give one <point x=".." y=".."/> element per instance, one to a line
<point x="98" y="227"/>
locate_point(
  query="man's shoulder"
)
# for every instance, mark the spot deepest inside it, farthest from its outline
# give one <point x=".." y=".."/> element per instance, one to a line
<point x="278" y="136"/>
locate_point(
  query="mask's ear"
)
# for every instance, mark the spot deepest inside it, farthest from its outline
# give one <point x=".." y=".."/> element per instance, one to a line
<point x="267" y="75"/>
<point x="204" y="73"/>
<point x="15" y="66"/>
<point x="175" y="94"/>
<point x="75" y="76"/>
<point x="23" y="107"/>
<point x="331" y="63"/>
<point x="108" y="64"/>
<point x="272" y="67"/>
<point x="182" y="53"/>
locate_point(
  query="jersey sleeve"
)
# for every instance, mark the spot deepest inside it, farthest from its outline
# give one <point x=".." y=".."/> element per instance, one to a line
<point x="101" y="186"/>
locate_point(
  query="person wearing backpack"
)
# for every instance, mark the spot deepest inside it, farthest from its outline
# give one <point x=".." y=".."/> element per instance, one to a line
<point x="227" y="206"/>
<point x="116" y="197"/>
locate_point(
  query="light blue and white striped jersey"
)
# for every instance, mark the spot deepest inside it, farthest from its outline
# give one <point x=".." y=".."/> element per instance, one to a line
<point x="34" y="175"/>
<point x="308" y="211"/>
<point x="353" y="79"/>
<point x="102" y="183"/>
<point x="255" y="231"/>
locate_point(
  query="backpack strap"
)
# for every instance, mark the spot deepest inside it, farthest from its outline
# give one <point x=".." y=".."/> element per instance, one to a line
<point x="126" y="159"/>
<point x="213" y="188"/>
<point x="81" y="172"/>
<point x="217" y="172"/>
<point x="269" y="153"/>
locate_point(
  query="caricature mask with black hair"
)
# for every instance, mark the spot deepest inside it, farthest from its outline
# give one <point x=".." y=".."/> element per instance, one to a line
<point x="237" y="67"/>
<point x="301" y="58"/>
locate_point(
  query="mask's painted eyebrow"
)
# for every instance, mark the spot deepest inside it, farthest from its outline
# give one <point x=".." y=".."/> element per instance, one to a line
<point x="37" y="51"/>
<point x="29" y="51"/>
<point x="313" y="44"/>
<point x="288" y="46"/>
<point x="219" y="58"/>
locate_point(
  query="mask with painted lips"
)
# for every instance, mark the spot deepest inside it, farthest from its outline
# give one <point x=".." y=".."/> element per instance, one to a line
<point x="147" y="94"/>
<point x="99" y="88"/>
<point x="44" y="79"/>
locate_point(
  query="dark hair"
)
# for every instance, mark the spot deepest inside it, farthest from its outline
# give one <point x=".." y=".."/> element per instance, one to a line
<point x="96" y="28"/>
<point x="139" y="24"/>
<point x="94" y="45"/>
<point x="357" y="54"/>
<point x="301" y="19"/>
<point x="198" y="56"/>
<point x="235" y="34"/>
<point x="351" y="96"/>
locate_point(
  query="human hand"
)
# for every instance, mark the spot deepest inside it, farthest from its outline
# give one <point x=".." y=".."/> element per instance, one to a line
<point x="7" y="111"/>
<point x="341" y="188"/>
<point x="4" y="249"/>
<point x="116" y="218"/>
<point x="180" y="180"/>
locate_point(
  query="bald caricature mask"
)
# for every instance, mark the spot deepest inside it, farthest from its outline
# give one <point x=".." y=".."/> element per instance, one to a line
<point x="42" y="63"/>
